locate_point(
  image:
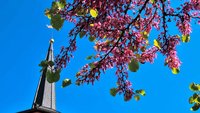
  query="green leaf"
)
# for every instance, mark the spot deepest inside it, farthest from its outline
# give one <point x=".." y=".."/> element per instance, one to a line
<point x="48" y="13"/>
<point x="91" y="65"/>
<point x="53" y="77"/>
<point x="66" y="82"/>
<point x="78" y="83"/>
<point x="157" y="44"/>
<point x="113" y="91"/>
<point x="57" y="75"/>
<point x="137" y="97"/>
<point x="195" y="95"/>
<point x="51" y="63"/>
<point x="138" y="56"/>
<point x="57" y="21"/>
<point x="54" y="6"/>
<point x="194" y="87"/>
<point x="91" y="38"/>
<point x="141" y="92"/>
<point x="61" y="4"/>
<point x="198" y="99"/>
<point x="195" y="107"/>
<point x="145" y="34"/>
<point x="133" y="65"/>
<point x="175" y="70"/>
<point x="152" y="1"/>
<point x="81" y="12"/>
<point x="93" y="13"/>
<point x="89" y="57"/>
<point x="81" y="34"/>
<point x="50" y="76"/>
<point x="185" y="38"/>
<point x="63" y="1"/>
<point x="198" y="85"/>
<point x="43" y="64"/>
<point x="191" y="100"/>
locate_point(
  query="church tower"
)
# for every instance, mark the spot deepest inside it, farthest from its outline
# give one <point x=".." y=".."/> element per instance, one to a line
<point x="44" y="101"/>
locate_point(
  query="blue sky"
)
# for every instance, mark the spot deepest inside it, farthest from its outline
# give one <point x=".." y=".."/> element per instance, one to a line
<point x="24" y="42"/>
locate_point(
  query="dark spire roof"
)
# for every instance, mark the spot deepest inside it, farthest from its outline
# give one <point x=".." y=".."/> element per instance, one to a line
<point x="44" y="100"/>
<point x="45" y="94"/>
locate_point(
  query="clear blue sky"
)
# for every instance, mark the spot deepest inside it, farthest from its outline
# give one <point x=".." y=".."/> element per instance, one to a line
<point x="24" y="42"/>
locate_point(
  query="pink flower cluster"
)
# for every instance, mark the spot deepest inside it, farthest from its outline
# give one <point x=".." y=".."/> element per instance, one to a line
<point x="184" y="25"/>
<point x="149" y="55"/>
<point x="169" y="50"/>
<point x="88" y="74"/>
<point x="124" y="85"/>
<point x="190" y="10"/>
<point x="65" y="54"/>
<point x="121" y="30"/>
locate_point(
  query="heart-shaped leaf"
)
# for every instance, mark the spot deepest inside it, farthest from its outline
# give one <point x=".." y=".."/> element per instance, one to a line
<point x="195" y="107"/>
<point x="91" y="38"/>
<point x="50" y="76"/>
<point x="57" y="21"/>
<point x="141" y="92"/>
<point x="157" y="44"/>
<point x="113" y="91"/>
<point x="66" y="82"/>
<point x="137" y="97"/>
<point x="93" y="13"/>
<point x="175" y="70"/>
<point x="133" y="65"/>
<point x="81" y="34"/>
<point x="194" y="87"/>
<point x="185" y="38"/>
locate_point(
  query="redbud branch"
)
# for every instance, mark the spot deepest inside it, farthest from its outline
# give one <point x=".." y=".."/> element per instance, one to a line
<point x="164" y="20"/>
<point x="151" y="19"/>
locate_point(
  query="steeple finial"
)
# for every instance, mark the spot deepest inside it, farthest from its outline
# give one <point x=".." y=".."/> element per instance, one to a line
<point x="51" y="40"/>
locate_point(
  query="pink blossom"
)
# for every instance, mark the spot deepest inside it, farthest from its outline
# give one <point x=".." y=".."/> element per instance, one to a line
<point x="118" y="30"/>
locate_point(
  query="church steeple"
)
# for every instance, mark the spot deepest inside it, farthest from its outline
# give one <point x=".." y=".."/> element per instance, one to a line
<point x="44" y="101"/>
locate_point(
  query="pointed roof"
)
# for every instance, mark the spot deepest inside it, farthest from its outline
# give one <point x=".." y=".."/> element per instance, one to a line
<point x="44" y="100"/>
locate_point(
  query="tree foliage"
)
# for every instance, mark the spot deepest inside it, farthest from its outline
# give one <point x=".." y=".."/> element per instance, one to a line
<point x="53" y="75"/>
<point x="120" y="32"/>
<point x="195" y="98"/>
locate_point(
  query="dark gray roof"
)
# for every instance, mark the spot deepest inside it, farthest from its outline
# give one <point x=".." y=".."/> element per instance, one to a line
<point x="45" y="100"/>
<point x="39" y="109"/>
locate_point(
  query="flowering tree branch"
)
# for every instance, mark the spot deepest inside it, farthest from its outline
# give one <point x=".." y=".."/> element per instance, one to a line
<point x="120" y="31"/>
